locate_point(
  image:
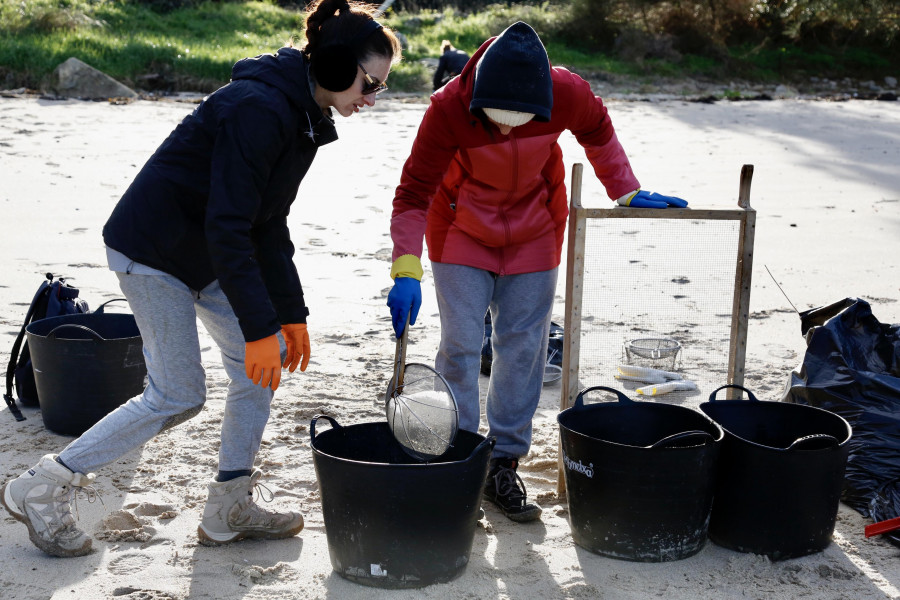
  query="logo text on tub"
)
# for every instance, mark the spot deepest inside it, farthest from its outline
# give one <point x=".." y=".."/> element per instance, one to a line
<point x="578" y="467"/>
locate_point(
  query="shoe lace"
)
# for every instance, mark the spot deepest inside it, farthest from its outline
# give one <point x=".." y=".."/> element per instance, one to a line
<point x="69" y="501"/>
<point x="510" y="485"/>
<point x="259" y="492"/>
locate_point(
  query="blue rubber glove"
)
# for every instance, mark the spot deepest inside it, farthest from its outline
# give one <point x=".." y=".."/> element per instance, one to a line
<point x="645" y="199"/>
<point x="404" y="298"/>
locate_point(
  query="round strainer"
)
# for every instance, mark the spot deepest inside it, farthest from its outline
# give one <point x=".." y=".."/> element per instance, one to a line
<point x="652" y="351"/>
<point x="422" y="412"/>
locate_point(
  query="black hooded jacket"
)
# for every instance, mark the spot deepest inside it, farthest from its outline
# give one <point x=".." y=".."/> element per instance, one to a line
<point x="450" y="64"/>
<point x="212" y="202"/>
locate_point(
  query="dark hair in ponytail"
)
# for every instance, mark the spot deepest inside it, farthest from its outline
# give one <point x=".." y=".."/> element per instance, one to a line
<point x="339" y="34"/>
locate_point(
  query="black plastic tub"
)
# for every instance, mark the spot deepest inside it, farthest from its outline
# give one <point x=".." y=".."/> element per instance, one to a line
<point x="390" y="520"/>
<point x="779" y="478"/>
<point x="639" y="477"/>
<point x="85" y="366"/>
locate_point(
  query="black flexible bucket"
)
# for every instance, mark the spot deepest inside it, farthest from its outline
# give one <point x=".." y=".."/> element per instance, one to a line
<point x="779" y="478"/>
<point x="85" y="365"/>
<point x="392" y="521"/>
<point x="639" y="477"/>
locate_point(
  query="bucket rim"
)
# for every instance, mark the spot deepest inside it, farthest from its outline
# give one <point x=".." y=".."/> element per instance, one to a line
<point x="752" y="401"/>
<point x="848" y="429"/>
<point x="485" y="441"/>
<point x="717" y="438"/>
<point x="33" y="329"/>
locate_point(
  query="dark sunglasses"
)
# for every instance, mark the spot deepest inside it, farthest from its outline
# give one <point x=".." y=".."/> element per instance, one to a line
<point x="373" y="86"/>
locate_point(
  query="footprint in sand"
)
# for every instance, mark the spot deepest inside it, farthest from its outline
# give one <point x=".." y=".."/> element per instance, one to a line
<point x="130" y="593"/>
<point x="129" y="564"/>
<point x="782" y="352"/>
<point x="383" y="254"/>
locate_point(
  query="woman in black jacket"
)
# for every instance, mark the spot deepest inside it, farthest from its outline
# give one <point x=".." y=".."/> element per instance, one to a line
<point x="450" y="64"/>
<point x="202" y="232"/>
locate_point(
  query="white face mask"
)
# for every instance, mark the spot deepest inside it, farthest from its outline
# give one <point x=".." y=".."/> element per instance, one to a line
<point x="513" y="118"/>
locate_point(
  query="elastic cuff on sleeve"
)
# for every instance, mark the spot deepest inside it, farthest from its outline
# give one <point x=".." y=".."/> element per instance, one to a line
<point x="408" y="265"/>
<point x="626" y="199"/>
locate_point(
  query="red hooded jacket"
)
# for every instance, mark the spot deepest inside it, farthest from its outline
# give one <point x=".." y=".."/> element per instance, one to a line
<point x="497" y="202"/>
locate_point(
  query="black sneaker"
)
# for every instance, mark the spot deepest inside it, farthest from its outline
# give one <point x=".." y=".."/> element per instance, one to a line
<point x="506" y="489"/>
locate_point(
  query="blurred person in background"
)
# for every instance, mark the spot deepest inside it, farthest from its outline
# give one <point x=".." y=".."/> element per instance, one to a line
<point x="450" y="64"/>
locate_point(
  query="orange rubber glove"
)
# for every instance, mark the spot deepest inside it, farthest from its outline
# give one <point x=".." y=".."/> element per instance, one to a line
<point x="296" y="337"/>
<point x="262" y="361"/>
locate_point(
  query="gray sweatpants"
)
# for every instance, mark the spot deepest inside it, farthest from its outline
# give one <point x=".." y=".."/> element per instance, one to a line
<point x="166" y="311"/>
<point x="521" y="307"/>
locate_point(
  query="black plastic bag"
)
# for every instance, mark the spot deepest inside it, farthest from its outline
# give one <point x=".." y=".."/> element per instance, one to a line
<point x="884" y="506"/>
<point x="852" y="368"/>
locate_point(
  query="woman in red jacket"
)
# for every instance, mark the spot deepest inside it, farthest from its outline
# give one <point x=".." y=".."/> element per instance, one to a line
<point x="484" y="185"/>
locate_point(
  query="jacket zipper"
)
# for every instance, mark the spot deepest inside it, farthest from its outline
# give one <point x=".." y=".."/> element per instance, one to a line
<point x="503" y="219"/>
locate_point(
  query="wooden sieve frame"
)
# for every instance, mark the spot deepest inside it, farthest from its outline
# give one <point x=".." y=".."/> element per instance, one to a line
<point x="578" y="217"/>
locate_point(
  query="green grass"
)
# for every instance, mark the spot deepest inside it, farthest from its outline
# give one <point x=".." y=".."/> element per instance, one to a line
<point x="194" y="48"/>
<point x="197" y="46"/>
<point x="793" y="61"/>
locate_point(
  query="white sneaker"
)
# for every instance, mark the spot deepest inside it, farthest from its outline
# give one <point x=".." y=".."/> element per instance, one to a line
<point x="231" y="515"/>
<point x="42" y="499"/>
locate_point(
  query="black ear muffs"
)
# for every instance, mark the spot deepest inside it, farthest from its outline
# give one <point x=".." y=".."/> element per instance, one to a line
<point x="334" y="67"/>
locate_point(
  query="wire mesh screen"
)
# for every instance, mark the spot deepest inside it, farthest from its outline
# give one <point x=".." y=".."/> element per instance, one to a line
<point x="658" y="293"/>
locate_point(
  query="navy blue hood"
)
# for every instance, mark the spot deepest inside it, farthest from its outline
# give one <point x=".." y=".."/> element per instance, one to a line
<point x="514" y="74"/>
<point x="288" y="71"/>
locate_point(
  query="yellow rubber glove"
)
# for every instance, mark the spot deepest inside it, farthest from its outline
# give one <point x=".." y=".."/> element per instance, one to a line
<point x="408" y="265"/>
<point x="262" y="361"/>
<point x="296" y="337"/>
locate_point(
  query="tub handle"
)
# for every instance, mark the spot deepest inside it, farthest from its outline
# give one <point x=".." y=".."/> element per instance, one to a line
<point x="816" y="441"/>
<point x="53" y="335"/>
<point x="684" y="439"/>
<point x="99" y="310"/>
<point x="579" y="400"/>
<point x="312" y="425"/>
<point x="491" y="441"/>
<point x="750" y="396"/>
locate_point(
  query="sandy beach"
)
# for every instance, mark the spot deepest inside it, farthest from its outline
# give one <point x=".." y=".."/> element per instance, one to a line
<point x="826" y="190"/>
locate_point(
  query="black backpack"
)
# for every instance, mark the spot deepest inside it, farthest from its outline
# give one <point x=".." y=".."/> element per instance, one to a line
<point x="53" y="298"/>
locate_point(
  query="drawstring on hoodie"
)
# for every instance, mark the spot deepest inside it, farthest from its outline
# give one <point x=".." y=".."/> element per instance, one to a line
<point x="310" y="134"/>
